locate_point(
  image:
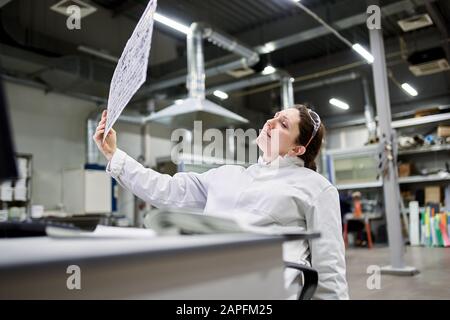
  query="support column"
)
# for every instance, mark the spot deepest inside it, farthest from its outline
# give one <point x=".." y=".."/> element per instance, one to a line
<point x="390" y="182"/>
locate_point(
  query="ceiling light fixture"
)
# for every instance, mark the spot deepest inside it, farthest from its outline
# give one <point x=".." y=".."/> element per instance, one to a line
<point x="268" y="70"/>
<point x="409" y="89"/>
<point x="220" y="94"/>
<point x="357" y="47"/>
<point x="340" y="104"/>
<point x="267" y="48"/>
<point x="363" y="52"/>
<point x="171" y="23"/>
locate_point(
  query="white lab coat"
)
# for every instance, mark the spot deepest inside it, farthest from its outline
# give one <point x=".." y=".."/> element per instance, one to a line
<point x="281" y="193"/>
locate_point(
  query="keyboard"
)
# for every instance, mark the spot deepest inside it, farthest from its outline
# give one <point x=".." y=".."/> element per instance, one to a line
<point x="34" y="228"/>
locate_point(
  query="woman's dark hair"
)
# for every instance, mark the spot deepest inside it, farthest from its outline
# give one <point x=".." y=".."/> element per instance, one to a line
<point x="306" y="129"/>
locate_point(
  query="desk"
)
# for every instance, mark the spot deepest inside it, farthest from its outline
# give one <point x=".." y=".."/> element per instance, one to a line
<point x="222" y="266"/>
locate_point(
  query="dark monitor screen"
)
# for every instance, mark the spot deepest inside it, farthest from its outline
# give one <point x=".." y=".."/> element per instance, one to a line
<point x="8" y="167"/>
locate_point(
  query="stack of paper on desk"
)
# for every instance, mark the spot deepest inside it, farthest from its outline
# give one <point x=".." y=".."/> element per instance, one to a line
<point x="184" y="222"/>
<point x="169" y="221"/>
<point x="101" y="232"/>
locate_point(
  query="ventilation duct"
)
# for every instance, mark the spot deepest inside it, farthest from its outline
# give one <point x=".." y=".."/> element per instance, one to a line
<point x="196" y="106"/>
<point x="416" y="22"/>
<point x="92" y="152"/>
<point x="284" y="78"/>
<point x="287" y="92"/>
<point x="428" y="61"/>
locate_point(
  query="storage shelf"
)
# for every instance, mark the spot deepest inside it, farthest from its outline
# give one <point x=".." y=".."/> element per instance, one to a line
<point x="421" y="120"/>
<point x="425" y="149"/>
<point x="402" y="180"/>
<point x="362" y="185"/>
<point x="419" y="179"/>
<point x="372" y="150"/>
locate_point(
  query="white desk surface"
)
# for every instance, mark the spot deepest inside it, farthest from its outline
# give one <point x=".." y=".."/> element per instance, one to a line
<point x="35" y="251"/>
<point x="221" y="266"/>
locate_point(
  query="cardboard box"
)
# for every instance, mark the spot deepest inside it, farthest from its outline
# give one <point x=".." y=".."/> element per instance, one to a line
<point x="426" y="112"/>
<point x="432" y="194"/>
<point x="443" y="131"/>
<point x="405" y="169"/>
<point x="408" y="196"/>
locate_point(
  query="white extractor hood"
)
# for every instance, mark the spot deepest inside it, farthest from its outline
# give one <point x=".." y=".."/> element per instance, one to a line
<point x="196" y="107"/>
<point x="183" y="115"/>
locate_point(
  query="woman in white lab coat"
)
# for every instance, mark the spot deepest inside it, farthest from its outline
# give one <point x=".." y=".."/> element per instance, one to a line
<point x="283" y="189"/>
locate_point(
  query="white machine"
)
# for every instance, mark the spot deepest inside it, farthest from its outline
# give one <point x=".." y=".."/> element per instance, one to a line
<point x="87" y="191"/>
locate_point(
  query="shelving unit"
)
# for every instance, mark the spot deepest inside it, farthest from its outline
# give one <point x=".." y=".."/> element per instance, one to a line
<point x="411" y="122"/>
<point x="420" y="179"/>
<point x="402" y="180"/>
<point x="353" y="168"/>
<point x="335" y="158"/>
<point x="363" y="185"/>
<point x="431" y="158"/>
<point x="356" y="169"/>
<point x="20" y="190"/>
<point x="436" y="148"/>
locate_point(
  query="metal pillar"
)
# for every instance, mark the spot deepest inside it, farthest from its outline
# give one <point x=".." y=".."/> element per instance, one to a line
<point x="390" y="182"/>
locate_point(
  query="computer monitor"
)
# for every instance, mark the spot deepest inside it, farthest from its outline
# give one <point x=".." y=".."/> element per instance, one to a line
<point x="8" y="166"/>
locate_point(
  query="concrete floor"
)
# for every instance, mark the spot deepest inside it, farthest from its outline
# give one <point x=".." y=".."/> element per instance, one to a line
<point x="433" y="281"/>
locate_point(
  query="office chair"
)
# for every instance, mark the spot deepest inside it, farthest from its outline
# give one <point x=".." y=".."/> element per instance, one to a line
<point x="310" y="280"/>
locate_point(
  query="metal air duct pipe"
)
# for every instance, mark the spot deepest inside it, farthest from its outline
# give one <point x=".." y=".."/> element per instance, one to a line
<point x="249" y="57"/>
<point x="92" y="152"/>
<point x="328" y="81"/>
<point x="287" y="90"/>
<point x="196" y="107"/>
<point x="369" y="112"/>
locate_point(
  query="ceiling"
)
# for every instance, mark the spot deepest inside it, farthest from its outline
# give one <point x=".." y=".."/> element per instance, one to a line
<point x="36" y="46"/>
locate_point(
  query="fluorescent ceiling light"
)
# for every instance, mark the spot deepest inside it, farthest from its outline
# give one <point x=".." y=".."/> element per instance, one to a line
<point x="363" y="52"/>
<point x="220" y="94"/>
<point x="409" y="90"/>
<point x="268" y="70"/>
<point x="267" y="48"/>
<point x="340" y="104"/>
<point x="171" y="23"/>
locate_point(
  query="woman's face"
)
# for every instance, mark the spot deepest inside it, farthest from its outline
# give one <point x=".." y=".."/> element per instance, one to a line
<point x="279" y="135"/>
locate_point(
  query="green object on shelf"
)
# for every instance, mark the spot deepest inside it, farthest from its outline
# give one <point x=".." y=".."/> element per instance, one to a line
<point x="437" y="222"/>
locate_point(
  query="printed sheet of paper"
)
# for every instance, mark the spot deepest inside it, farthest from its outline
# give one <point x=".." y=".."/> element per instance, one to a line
<point x="101" y="232"/>
<point x="131" y="70"/>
